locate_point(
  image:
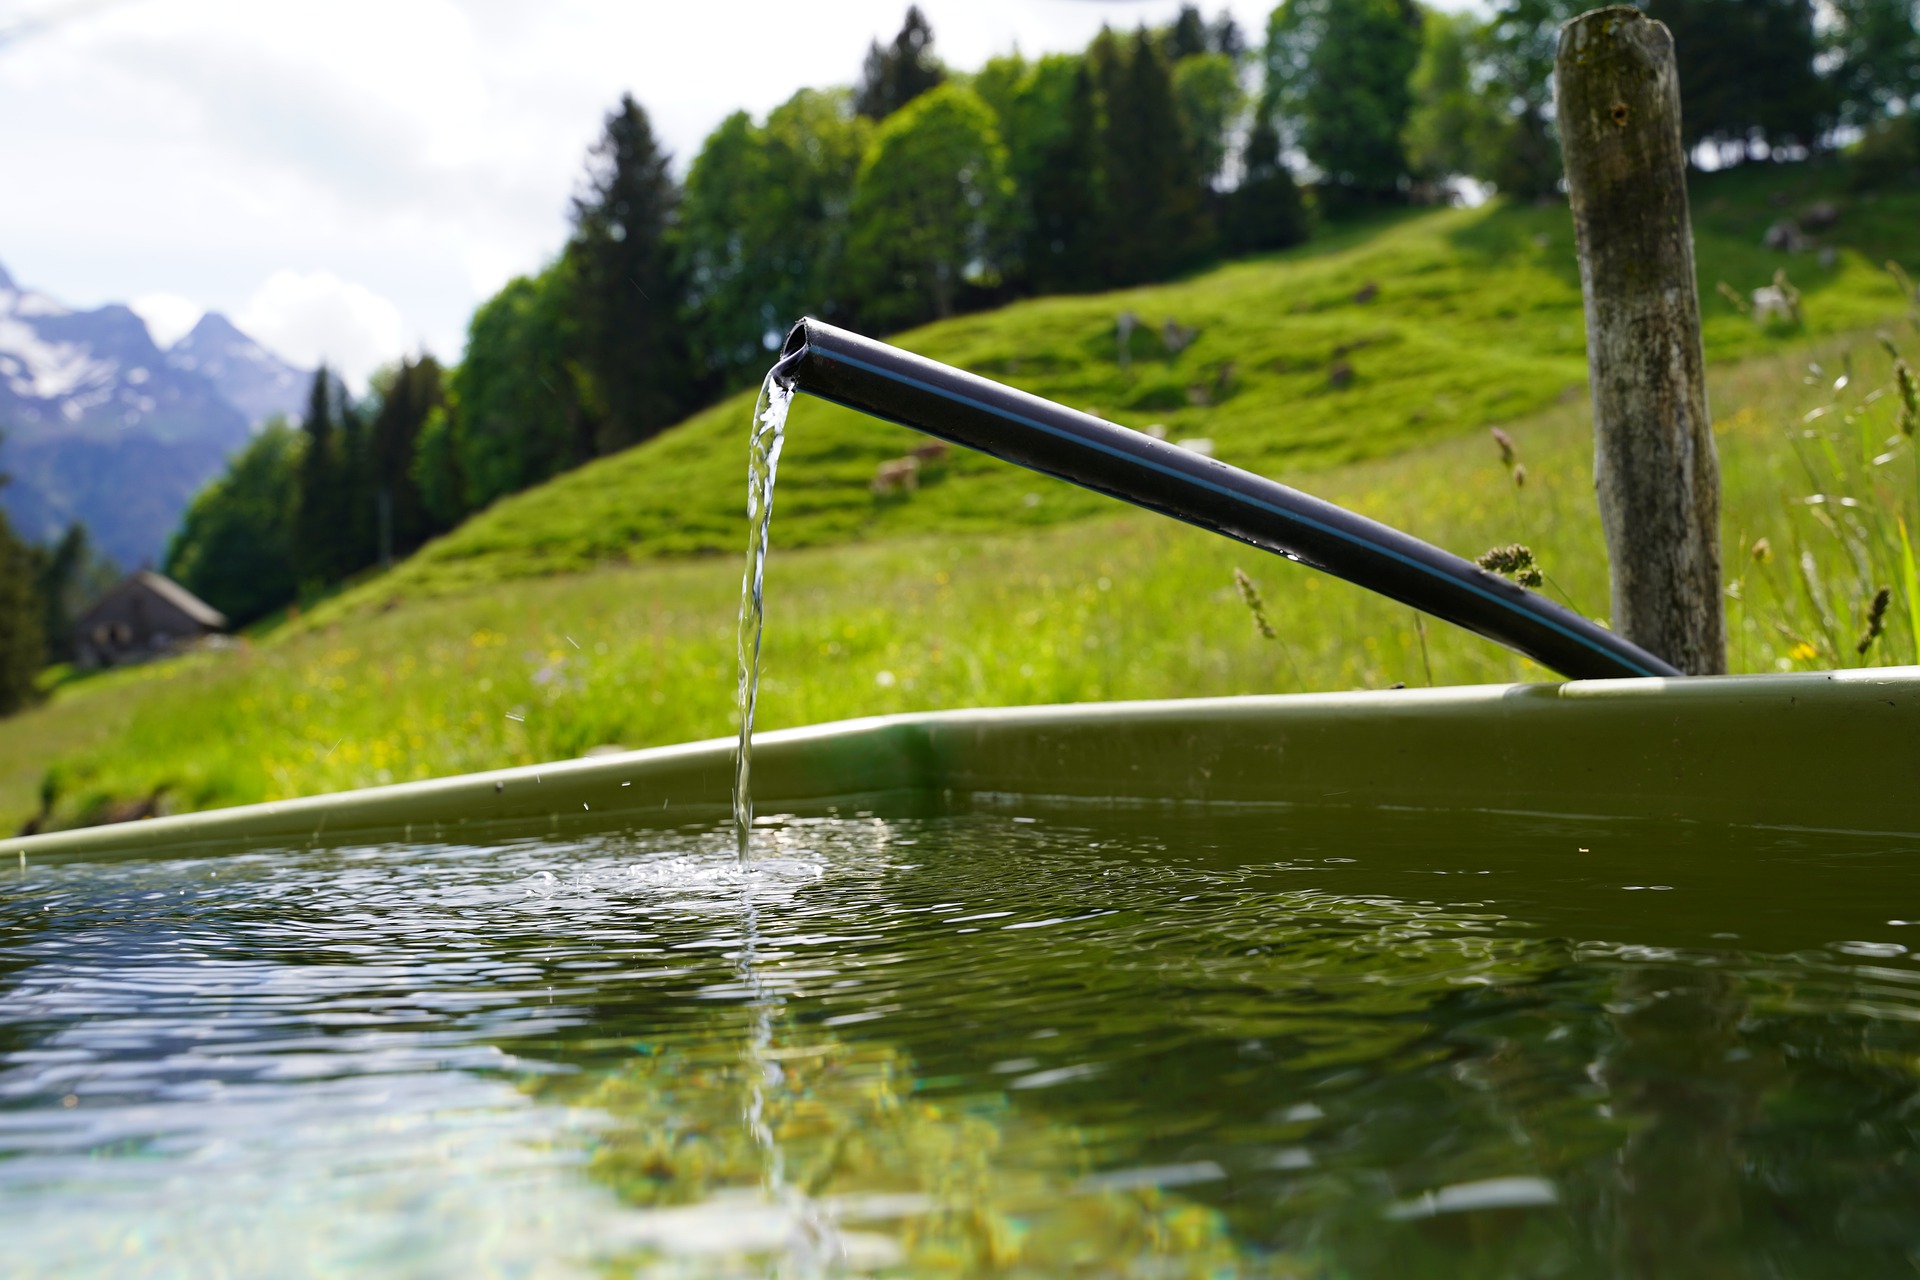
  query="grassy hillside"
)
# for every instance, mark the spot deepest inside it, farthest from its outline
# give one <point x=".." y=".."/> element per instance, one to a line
<point x="1444" y="322"/>
<point x="481" y="653"/>
<point x="1127" y="606"/>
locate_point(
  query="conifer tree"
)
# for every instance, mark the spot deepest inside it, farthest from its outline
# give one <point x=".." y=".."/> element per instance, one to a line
<point x="1066" y="197"/>
<point x="22" y="636"/>
<point x="401" y="519"/>
<point x="1156" y="218"/>
<point x="629" y="293"/>
<point x="1188" y="37"/>
<point x="898" y="73"/>
<point x="1265" y="211"/>
<point x="319" y="521"/>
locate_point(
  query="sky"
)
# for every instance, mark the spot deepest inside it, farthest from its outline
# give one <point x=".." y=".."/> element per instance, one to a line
<point x="348" y="179"/>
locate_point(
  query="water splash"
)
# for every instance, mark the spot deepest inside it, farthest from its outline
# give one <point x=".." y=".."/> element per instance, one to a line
<point x="763" y="462"/>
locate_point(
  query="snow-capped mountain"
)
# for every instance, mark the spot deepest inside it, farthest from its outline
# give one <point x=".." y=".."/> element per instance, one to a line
<point x="253" y="379"/>
<point x="98" y="424"/>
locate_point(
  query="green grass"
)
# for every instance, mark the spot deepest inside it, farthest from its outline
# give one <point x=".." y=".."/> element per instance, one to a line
<point x="482" y="652"/>
<point x="1477" y="320"/>
<point x="1128" y="606"/>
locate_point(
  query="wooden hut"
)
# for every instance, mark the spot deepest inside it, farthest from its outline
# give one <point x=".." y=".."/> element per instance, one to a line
<point x="145" y="615"/>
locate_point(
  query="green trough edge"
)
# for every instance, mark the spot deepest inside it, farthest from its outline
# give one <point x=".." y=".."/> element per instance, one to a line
<point x="1820" y="750"/>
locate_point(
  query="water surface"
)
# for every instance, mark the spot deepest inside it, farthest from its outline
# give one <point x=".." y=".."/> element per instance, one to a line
<point x="1011" y="1042"/>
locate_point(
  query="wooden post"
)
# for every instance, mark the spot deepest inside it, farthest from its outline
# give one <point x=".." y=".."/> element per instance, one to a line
<point x="1654" y="466"/>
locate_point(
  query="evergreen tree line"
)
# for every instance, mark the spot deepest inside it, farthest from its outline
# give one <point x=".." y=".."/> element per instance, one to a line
<point x="302" y="508"/>
<point x="920" y="193"/>
<point x="42" y="590"/>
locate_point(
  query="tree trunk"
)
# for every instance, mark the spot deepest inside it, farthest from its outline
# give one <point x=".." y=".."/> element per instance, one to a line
<point x="1654" y="468"/>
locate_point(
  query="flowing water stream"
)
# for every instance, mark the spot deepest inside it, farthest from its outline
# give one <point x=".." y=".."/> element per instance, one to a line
<point x="769" y="433"/>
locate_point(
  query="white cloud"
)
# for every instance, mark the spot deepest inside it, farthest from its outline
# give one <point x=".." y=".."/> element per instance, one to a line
<point x="169" y="316"/>
<point x="425" y="148"/>
<point x="317" y="317"/>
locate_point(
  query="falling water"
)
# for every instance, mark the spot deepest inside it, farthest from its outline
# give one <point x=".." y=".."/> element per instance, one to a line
<point x="763" y="460"/>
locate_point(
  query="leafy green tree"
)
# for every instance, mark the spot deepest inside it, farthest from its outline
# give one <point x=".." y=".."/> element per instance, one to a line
<point x="525" y="406"/>
<point x="627" y="287"/>
<point x="1211" y="100"/>
<point x="436" y="467"/>
<point x="1265" y="211"/>
<point x="896" y="74"/>
<point x="1453" y="125"/>
<point x="1338" y="87"/>
<point x="1518" y="49"/>
<point x="1155" y="219"/>
<point x="763" y="228"/>
<point x="235" y="546"/>
<point x="929" y="211"/>
<point x="1873" y="49"/>
<point x="1050" y="138"/>
<point x="23" y="644"/>
<point x="1746" y="72"/>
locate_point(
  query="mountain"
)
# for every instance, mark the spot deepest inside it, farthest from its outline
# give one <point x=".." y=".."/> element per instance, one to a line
<point x="252" y="379"/>
<point x="100" y="425"/>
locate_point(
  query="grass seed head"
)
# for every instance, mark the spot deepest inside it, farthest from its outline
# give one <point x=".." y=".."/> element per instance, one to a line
<point x="1505" y="442"/>
<point x="1255" y="605"/>
<point x="1513" y="561"/>
<point x="1876" y="619"/>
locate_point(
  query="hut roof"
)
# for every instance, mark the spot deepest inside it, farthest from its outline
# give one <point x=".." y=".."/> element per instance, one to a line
<point x="168" y="590"/>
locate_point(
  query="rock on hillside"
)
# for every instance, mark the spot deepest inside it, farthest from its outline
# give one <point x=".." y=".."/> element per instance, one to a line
<point x="102" y="426"/>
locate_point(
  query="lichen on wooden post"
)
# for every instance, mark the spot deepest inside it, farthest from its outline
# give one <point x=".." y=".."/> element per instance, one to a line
<point x="1655" y="469"/>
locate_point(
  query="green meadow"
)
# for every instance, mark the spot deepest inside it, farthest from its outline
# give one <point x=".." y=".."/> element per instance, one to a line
<point x="1365" y="367"/>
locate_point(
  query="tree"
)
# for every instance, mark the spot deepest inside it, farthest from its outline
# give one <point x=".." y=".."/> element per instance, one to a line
<point x="1519" y="46"/>
<point x="436" y="467"/>
<point x="1044" y="114"/>
<point x="322" y="518"/>
<point x="1337" y="86"/>
<point x="68" y="576"/>
<point x="763" y="228"/>
<point x="1155" y="211"/>
<point x="1453" y="124"/>
<point x="23" y="648"/>
<point x="1188" y="37"/>
<point x="900" y="72"/>
<point x="235" y="547"/>
<point x="929" y="210"/>
<point x="628" y="291"/>
<point x="402" y="521"/>
<point x="1265" y="211"/>
<point x="1207" y="89"/>
<point x="1065" y="196"/>
<point x="1746" y="72"/>
<point x="524" y="405"/>
<point x="1873" y="47"/>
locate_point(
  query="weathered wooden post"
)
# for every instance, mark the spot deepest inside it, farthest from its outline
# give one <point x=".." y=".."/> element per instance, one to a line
<point x="1654" y="464"/>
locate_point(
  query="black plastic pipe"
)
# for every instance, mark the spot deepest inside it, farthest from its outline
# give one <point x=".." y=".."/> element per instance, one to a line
<point x="1028" y="431"/>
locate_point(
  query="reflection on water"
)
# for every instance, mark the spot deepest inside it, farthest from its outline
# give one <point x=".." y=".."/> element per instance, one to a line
<point x="1023" y="1043"/>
